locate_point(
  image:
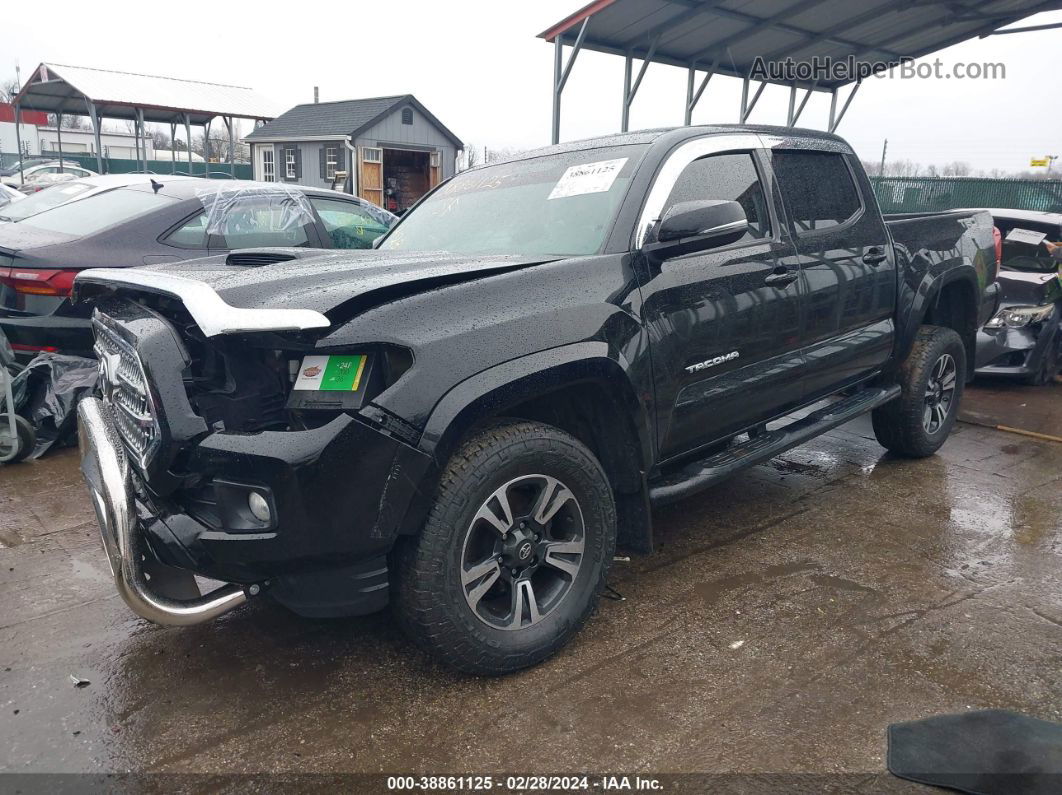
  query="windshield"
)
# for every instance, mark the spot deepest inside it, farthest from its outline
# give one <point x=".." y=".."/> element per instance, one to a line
<point x="1022" y="249"/>
<point x="557" y="205"/>
<point x="93" y="213"/>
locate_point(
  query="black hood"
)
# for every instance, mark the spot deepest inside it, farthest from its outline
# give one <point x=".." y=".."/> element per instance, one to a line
<point x="1028" y="289"/>
<point x="327" y="281"/>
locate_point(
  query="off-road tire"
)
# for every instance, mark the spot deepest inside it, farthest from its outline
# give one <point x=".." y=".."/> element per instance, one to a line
<point x="899" y="425"/>
<point x="428" y="598"/>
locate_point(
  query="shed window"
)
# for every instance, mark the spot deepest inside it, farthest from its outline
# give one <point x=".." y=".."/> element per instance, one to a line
<point x="407" y="115"/>
<point x="331" y="159"/>
<point x="372" y="154"/>
<point x="289" y="163"/>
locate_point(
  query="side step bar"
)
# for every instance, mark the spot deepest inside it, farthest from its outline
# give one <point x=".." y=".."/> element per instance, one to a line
<point x="707" y="472"/>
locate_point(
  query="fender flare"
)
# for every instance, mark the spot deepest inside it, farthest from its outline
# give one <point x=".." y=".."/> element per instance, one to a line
<point x="925" y="298"/>
<point x="512" y="382"/>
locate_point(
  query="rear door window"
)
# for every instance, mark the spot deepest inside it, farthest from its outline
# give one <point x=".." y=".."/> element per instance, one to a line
<point x="258" y="221"/>
<point x="349" y="224"/>
<point x="191" y="234"/>
<point x="817" y="188"/>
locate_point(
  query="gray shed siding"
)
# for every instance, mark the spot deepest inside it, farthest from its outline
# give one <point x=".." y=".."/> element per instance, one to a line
<point x="310" y="152"/>
<point x="421" y="134"/>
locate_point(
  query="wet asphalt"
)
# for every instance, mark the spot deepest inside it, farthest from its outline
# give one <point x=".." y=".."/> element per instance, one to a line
<point x="785" y="619"/>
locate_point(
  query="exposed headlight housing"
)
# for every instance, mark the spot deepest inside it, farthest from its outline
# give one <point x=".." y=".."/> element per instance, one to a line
<point x="1020" y="316"/>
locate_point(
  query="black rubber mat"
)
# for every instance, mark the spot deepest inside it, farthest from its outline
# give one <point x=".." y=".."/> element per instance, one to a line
<point x="990" y="752"/>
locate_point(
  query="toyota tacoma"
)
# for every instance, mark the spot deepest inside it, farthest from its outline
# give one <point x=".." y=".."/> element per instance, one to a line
<point x="465" y="421"/>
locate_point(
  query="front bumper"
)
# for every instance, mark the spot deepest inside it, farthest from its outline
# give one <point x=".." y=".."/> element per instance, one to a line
<point x="341" y="494"/>
<point x="170" y="596"/>
<point x="1014" y="352"/>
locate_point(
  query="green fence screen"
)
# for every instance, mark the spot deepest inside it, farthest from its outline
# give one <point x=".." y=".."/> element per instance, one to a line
<point x="925" y="194"/>
<point x="114" y="165"/>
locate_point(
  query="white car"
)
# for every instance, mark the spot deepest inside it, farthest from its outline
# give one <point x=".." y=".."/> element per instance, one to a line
<point x="8" y="195"/>
<point x="35" y="170"/>
<point x="65" y="192"/>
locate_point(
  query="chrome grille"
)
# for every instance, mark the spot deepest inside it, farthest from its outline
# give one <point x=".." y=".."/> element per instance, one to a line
<point x="125" y="392"/>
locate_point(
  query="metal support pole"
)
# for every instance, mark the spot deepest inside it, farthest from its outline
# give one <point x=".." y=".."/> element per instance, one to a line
<point x="561" y="72"/>
<point x="833" y="108"/>
<point x="206" y="147"/>
<point x="690" y="74"/>
<point x="803" y="103"/>
<point x="232" y="147"/>
<point x="558" y="60"/>
<point x="96" y="130"/>
<point x="18" y="144"/>
<point x="136" y="140"/>
<point x="792" y="105"/>
<point x="844" y="109"/>
<point x="188" y="141"/>
<point x="173" y="147"/>
<point x="143" y="135"/>
<point x="626" y="114"/>
<point x="747" y="107"/>
<point x="59" y="138"/>
<point x="744" y="99"/>
<point x="630" y="90"/>
<point x="693" y="97"/>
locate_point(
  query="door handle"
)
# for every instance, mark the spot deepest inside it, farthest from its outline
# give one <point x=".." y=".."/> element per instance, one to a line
<point x="781" y="277"/>
<point x="875" y="256"/>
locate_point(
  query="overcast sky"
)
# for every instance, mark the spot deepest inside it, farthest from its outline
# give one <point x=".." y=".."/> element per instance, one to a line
<point x="478" y="65"/>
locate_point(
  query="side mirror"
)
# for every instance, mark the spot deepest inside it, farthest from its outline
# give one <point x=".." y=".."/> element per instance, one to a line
<point x="690" y="226"/>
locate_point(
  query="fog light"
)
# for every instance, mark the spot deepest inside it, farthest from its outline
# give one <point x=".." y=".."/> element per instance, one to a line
<point x="259" y="507"/>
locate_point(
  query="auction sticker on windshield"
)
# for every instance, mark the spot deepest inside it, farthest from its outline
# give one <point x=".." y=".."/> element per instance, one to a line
<point x="587" y="178"/>
<point x="330" y="373"/>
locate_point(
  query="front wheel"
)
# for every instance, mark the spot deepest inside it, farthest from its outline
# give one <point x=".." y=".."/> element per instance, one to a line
<point x="932" y="378"/>
<point x="514" y="553"/>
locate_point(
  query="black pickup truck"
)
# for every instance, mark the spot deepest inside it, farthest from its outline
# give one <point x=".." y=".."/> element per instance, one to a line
<point x="465" y="421"/>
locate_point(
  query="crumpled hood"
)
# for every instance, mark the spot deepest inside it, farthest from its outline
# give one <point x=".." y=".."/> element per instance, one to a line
<point x="323" y="281"/>
<point x="1019" y="288"/>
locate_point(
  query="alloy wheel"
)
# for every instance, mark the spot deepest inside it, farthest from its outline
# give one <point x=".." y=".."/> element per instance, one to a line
<point x="940" y="394"/>
<point x="522" y="552"/>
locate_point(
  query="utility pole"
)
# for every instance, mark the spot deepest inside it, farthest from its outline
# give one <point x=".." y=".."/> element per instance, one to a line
<point x="884" y="149"/>
<point x="1051" y="159"/>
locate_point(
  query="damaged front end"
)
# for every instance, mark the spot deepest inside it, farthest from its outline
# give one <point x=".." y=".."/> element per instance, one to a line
<point x="206" y="454"/>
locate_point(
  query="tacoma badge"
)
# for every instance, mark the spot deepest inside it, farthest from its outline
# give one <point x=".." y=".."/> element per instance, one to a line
<point x="726" y="357"/>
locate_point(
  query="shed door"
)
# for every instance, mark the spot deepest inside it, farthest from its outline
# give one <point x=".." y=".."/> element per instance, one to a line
<point x="370" y="174"/>
<point x="435" y="172"/>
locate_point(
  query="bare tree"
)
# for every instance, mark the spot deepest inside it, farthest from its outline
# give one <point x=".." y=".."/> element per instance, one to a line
<point x="70" y="122"/>
<point x="9" y="89"/>
<point x="160" y="139"/>
<point x="471" y="156"/>
<point x="955" y="169"/>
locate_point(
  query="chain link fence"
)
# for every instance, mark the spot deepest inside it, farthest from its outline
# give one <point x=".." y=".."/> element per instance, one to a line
<point x="926" y="194"/>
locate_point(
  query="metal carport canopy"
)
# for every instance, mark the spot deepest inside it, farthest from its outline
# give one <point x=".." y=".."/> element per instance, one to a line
<point x="103" y="93"/>
<point x="728" y="37"/>
<point x="57" y="88"/>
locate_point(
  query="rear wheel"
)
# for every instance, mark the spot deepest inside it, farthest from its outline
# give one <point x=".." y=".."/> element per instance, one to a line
<point x="932" y="379"/>
<point x="514" y="553"/>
